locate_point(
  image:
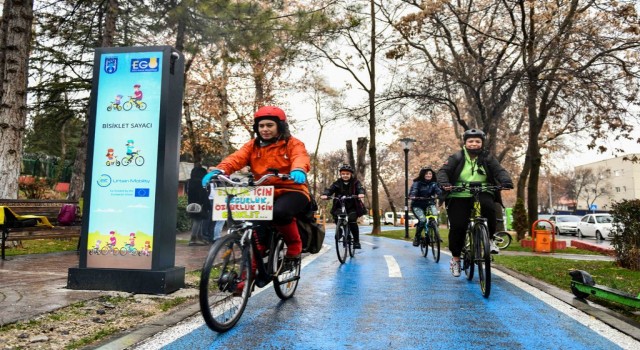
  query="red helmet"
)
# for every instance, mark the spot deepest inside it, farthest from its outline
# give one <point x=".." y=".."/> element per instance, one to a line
<point x="270" y="111"/>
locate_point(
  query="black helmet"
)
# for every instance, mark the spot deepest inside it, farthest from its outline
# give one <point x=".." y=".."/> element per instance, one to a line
<point x="477" y="133"/>
<point x="346" y="167"/>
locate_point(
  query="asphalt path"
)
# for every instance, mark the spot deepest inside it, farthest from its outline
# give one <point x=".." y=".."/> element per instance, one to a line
<point x="389" y="296"/>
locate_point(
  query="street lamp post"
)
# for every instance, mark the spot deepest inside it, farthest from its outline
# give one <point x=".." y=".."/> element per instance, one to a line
<point x="406" y="145"/>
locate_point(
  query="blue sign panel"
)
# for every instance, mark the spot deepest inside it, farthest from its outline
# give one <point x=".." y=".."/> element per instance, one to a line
<point x="125" y="156"/>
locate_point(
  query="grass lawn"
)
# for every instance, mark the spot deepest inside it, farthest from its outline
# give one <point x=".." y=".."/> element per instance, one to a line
<point x="41" y="246"/>
<point x="555" y="271"/>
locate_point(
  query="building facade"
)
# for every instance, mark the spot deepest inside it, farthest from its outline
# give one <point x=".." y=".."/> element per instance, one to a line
<point x="615" y="179"/>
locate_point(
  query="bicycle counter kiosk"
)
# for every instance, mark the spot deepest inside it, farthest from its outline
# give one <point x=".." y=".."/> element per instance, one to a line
<point x="128" y="236"/>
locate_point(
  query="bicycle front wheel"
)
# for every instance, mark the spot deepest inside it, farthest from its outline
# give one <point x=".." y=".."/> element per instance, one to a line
<point x="434" y="242"/>
<point x="467" y="256"/>
<point x="342" y="231"/>
<point x="139" y="160"/>
<point x="285" y="280"/>
<point x="483" y="258"/>
<point x="502" y="239"/>
<point x="350" y="247"/>
<point x="225" y="283"/>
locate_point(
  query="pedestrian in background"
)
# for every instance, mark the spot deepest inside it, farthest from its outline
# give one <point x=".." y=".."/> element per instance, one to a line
<point x="199" y="207"/>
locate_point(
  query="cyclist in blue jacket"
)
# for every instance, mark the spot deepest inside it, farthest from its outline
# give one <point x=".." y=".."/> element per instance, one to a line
<point x="422" y="194"/>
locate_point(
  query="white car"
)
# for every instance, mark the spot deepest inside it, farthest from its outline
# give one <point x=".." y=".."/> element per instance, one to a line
<point x="598" y="225"/>
<point x="565" y="224"/>
<point x="366" y="220"/>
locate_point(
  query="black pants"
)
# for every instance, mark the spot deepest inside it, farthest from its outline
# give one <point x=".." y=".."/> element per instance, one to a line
<point x="352" y="220"/>
<point x="288" y="205"/>
<point x="459" y="211"/>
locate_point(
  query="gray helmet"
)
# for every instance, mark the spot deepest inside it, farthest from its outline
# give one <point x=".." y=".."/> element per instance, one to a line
<point x="473" y="133"/>
<point x="346" y="167"/>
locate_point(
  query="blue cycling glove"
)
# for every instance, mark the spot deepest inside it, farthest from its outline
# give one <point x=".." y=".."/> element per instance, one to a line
<point x="211" y="174"/>
<point x="298" y="176"/>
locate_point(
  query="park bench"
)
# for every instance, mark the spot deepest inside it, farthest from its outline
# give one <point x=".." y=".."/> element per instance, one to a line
<point x="38" y="220"/>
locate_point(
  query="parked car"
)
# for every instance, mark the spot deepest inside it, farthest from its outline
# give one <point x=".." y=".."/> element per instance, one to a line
<point x="565" y="224"/>
<point x="598" y="225"/>
<point x="366" y="220"/>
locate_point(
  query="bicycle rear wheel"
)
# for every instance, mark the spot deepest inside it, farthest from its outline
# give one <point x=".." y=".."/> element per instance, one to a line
<point x="342" y="231"/>
<point x="434" y="241"/>
<point x="502" y="239"/>
<point x="467" y="256"/>
<point x="225" y="283"/>
<point x="287" y="273"/>
<point x="483" y="258"/>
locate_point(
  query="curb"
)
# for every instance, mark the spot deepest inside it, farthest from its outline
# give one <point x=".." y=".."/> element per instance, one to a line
<point x="611" y="318"/>
<point x="593" y="248"/>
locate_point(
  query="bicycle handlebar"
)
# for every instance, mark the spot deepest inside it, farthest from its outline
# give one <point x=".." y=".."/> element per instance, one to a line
<point x="353" y="196"/>
<point x="423" y="198"/>
<point x="476" y="187"/>
<point x="250" y="181"/>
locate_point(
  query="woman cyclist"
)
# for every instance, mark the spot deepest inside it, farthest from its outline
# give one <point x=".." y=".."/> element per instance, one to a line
<point x="347" y="185"/>
<point x="471" y="164"/>
<point x="423" y="189"/>
<point x="275" y="148"/>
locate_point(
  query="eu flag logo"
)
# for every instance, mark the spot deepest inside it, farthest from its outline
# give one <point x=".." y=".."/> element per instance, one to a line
<point x="111" y="65"/>
<point x="142" y="192"/>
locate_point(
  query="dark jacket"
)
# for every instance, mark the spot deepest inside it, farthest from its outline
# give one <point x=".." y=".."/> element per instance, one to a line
<point x="496" y="174"/>
<point x="421" y="188"/>
<point x="339" y="188"/>
<point x="196" y="193"/>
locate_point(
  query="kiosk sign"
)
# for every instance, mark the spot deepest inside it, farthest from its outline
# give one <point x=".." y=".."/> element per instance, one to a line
<point x="255" y="203"/>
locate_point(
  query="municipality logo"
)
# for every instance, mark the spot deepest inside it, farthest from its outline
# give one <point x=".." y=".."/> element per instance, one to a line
<point x="144" y="65"/>
<point x="111" y="65"/>
<point x="104" y="180"/>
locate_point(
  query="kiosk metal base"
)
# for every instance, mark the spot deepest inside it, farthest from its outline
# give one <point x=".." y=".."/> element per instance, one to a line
<point x="134" y="281"/>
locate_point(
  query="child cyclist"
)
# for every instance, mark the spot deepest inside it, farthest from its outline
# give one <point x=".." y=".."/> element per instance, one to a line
<point x="347" y="185"/>
<point x="422" y="193"/>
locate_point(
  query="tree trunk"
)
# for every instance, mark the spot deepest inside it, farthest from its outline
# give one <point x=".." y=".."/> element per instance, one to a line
<point x="533" y="149"/>
<point x="315" y="162"/>
<point x="13" y="98"/>
<point x="352" y="159"/>
<point x="76" y="185"/>
<point x="361" y="152"/>
<point x="3" y="40"/>
<point x="375" y="201"/>
<point x="388" y="194"/>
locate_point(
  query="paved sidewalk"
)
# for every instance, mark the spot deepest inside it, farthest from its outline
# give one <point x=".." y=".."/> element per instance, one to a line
<point x="31" y="285"/>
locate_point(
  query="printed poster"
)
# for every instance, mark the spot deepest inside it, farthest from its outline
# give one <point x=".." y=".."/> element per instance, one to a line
<point x="120" y="233"/>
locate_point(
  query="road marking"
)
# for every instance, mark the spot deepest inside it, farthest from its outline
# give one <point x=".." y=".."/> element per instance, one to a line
<point x="365" y="242"/>
<point x="394" y="268"/>
<point x="191" y="324"/>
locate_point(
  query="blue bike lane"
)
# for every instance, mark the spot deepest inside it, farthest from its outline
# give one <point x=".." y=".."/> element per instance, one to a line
<point x="388" y="296"/>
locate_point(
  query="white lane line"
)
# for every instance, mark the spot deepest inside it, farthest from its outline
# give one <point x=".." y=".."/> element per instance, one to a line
<point x="368" y="243"/>
<point x="171" y="334"/>
<point x="394" y="268"/>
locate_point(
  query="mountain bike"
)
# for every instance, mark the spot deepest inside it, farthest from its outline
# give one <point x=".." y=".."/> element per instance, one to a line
<point x="251" y="254"/>
<point x="344" y="237"/>
<point x="476" y="250"/>
<point x="431" y="239"/>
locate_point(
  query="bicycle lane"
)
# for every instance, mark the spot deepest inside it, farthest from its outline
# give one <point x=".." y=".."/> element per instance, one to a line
<point x="358" y="305"/>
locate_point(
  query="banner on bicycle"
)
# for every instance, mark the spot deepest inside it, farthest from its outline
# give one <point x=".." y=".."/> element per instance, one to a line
<point x="248" y="203"/>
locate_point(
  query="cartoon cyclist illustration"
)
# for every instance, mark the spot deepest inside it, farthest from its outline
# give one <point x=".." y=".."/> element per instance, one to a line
<point x="133" y="155"/>
<point x="115" y="104"/>
<point x="147" y="246"/>
<point x="135" y="100"/>
<point x="112" y="158"/>
<point x="132" y="239"/>
<point x="112" y="238"/>
<point x="137" y="93"/>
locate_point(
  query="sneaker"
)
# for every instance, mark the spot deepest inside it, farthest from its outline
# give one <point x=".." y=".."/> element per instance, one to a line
<point x="494" y="248"/>
<point x="416" y="241"/>
<point x="455" y="268"/>
<point x="356" y="245"/>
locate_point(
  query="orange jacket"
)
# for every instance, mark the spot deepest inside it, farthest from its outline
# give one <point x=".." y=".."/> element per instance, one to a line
<point x="284" y="155"/>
